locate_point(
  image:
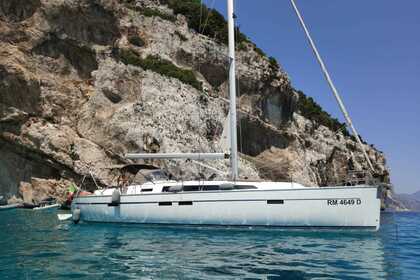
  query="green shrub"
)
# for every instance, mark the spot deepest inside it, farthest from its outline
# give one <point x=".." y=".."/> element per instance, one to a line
<point x="216" y="26"/>
<point x="129" y="57"/>
<point x="274" y="65"/>
<point x="161" y="66"/>
<point x="312" y="111"/>
<point x="259" y="51"/>
<point x="131" y="4"/>
<point x="149" y="12"/>
<point x="136" y="40"/>
<point x="241" y="46"/>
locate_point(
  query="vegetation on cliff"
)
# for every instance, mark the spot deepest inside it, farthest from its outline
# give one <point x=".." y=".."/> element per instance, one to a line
<point x="311" y="110"/>
<point x="136" y="40"/>
<point x="159" y="65"/>
<point x="209" y="22"/>
<point x="203" y="20"/>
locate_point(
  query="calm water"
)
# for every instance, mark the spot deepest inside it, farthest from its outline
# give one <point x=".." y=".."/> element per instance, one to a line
<point x="37" y="246"/>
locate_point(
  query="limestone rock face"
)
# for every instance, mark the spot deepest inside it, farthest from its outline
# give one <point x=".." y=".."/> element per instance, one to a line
<point x="39" y="190"/>
<point x="71" y="106"/>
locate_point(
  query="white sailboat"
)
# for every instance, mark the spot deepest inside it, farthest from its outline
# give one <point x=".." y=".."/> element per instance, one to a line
<point x="233" y="202"/>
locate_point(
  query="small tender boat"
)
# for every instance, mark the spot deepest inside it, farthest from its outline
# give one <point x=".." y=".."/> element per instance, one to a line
<point x="49" y="203"/>
<point x="10" y="206"/>
<point x="47" y="206"/>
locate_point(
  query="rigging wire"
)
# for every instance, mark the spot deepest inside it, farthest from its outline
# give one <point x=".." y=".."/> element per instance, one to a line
<point x="199" y="71"/>
<point x="331" y="84"/>
<point x="238" y="94"/>
<point x="210" y="11"/>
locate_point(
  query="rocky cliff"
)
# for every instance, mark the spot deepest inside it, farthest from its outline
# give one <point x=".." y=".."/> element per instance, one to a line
<point x="82" y="82"/>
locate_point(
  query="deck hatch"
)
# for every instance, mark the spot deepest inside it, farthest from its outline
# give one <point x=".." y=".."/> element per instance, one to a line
<point x="275" y="201"/>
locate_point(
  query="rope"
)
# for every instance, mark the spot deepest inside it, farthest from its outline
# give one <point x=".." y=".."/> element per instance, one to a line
<point x="93" y="177"/>
<point x="81" y="186"/>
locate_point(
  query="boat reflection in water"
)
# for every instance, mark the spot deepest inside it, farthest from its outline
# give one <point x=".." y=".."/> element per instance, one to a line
<point x="248" y="252"/>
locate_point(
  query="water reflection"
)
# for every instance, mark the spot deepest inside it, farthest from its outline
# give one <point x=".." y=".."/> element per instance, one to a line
<point x="42" y="248"/>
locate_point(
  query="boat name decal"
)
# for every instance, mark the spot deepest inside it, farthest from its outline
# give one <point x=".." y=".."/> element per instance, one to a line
<point x="343" y="202"/>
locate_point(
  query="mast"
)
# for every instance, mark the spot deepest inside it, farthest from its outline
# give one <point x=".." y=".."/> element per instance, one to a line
<point x="232" y="92"/>
<point x="331" y="84"/>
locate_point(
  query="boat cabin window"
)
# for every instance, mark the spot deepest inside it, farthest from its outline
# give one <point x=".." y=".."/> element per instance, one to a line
<point x="165" y="203"/>
<point x="181" y="203"/>
<point x="276" y="201"/>
<point x="147" y="189"/>
<point x="175" y="188"/>
<point x="197" y="188"/>
<point x="201" y="188"/>
<point x="245" y="187"/>
<point x="191" y="188"/>
<point x="159" y="175"/>
<point x="211" y="188"/>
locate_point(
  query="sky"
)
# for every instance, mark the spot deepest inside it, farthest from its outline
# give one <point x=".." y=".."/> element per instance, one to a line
<point x="372" y="50"/>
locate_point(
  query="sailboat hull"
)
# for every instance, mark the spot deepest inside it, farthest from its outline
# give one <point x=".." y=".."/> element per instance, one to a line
<point x="308" y="207"/>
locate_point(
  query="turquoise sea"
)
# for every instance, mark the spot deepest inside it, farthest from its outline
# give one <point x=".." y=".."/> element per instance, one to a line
<point x="36" y="245"/>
